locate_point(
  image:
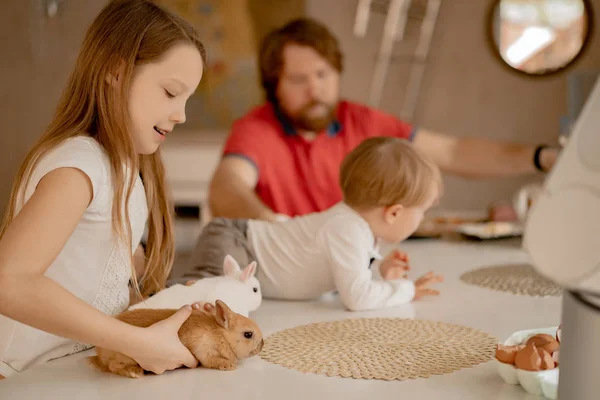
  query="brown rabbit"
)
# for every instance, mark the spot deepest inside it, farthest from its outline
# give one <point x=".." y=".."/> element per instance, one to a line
<point x="217" y="337"/>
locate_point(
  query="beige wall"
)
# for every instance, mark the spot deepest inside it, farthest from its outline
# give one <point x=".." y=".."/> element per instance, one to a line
<point x="465" y="90"/>
<point x="38" y="53"/>
<point x="270" y="14"/>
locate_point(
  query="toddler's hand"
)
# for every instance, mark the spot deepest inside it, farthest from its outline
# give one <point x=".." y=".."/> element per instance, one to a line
<point x="160" y="349"/>
<point x="421" y="284"/>
<point x="394" y="265"/>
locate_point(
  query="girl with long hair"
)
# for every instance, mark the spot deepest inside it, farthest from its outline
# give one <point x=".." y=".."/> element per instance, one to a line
<point x="87" y="190"/>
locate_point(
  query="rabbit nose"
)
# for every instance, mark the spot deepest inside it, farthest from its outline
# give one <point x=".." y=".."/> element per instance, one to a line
<point x="260" y="346"/>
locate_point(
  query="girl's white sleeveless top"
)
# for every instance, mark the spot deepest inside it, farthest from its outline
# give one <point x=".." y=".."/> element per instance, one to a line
<point x="93" y="265"/>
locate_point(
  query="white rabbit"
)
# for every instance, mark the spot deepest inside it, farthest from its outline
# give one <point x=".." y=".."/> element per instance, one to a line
<point x="237" y="288"/>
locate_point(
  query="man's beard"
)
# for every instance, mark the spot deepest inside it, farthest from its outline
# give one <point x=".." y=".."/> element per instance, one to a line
<point x="303" y="121"/>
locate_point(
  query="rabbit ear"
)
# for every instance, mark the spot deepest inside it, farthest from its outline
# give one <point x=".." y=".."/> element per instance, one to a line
<point x="248" y="272"/>
<point x="223" y="314"/>
<point x="230" y="266"/>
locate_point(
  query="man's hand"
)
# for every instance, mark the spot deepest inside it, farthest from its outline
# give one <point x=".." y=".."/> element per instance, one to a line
<point x="394" y="265"/>
<point x="421" y="284"/>
<point x="231" y="192"/>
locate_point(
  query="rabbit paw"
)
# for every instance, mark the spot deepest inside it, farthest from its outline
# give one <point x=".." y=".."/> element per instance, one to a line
<point x="227" y="366"/>
<point x="130" y="371"/>
<point x="218" y="363"/>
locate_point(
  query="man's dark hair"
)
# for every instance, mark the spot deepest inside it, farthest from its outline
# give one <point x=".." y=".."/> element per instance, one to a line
<point x="304" y="32"/>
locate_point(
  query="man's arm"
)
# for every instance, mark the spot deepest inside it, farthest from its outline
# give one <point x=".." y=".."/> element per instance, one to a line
<point x="481" y="158"/>
<point x="231" y="192"/>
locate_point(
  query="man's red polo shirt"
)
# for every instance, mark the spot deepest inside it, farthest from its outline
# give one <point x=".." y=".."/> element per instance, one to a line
<point x="297" y="176"/>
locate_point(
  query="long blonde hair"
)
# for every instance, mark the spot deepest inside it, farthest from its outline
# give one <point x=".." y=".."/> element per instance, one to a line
<point x="125" y="34"/>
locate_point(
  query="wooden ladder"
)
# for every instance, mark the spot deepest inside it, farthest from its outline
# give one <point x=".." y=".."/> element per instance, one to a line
<point x="397" y="14"/>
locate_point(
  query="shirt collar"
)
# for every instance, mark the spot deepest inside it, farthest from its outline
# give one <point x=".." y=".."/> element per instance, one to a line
<point x="374" y="251"/>
<point x="288" y="128"/>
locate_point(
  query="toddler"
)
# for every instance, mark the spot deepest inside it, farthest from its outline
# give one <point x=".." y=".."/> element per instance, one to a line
<point x="387" y="186"/>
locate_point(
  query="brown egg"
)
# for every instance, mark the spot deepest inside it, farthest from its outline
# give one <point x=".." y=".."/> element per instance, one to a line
<point x="529" y="359"/>
<point x="539" y="340"/>
<point x="547" y="361"/>
<point x="544" y="341"/>
<point x="551" y="346"/>
<point x="507" y="354"/>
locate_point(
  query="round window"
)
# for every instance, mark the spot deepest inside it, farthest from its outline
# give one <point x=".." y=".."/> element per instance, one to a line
<point x="539" y="37"/>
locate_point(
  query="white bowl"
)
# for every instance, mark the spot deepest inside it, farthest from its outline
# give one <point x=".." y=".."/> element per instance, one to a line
<point x="507" y="372"/>
<point x="490" y="230"/>
<point x="537" y="383"/>
<point x="550" y="383"/>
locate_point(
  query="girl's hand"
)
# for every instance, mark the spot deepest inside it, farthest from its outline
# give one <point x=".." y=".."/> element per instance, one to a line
<point x="207" y="308"/>
<point x="394" y="265"/>
<point x="160" y="349"/>
<point x="421" y="284"/>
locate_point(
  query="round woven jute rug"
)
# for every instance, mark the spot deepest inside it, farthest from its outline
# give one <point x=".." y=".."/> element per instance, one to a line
<point x="519" y="279"/>
<point x="379" y="348"/>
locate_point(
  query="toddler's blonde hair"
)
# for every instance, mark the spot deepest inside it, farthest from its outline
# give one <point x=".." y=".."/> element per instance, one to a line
<point x="383" y="171"/>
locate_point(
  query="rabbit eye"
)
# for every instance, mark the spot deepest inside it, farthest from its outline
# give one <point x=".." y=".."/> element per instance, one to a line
<point x="255" y="289"/>
<point x="248" y="335"/>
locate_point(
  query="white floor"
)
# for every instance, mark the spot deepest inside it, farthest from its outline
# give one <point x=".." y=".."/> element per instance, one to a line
<point x="499" y="314"/>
